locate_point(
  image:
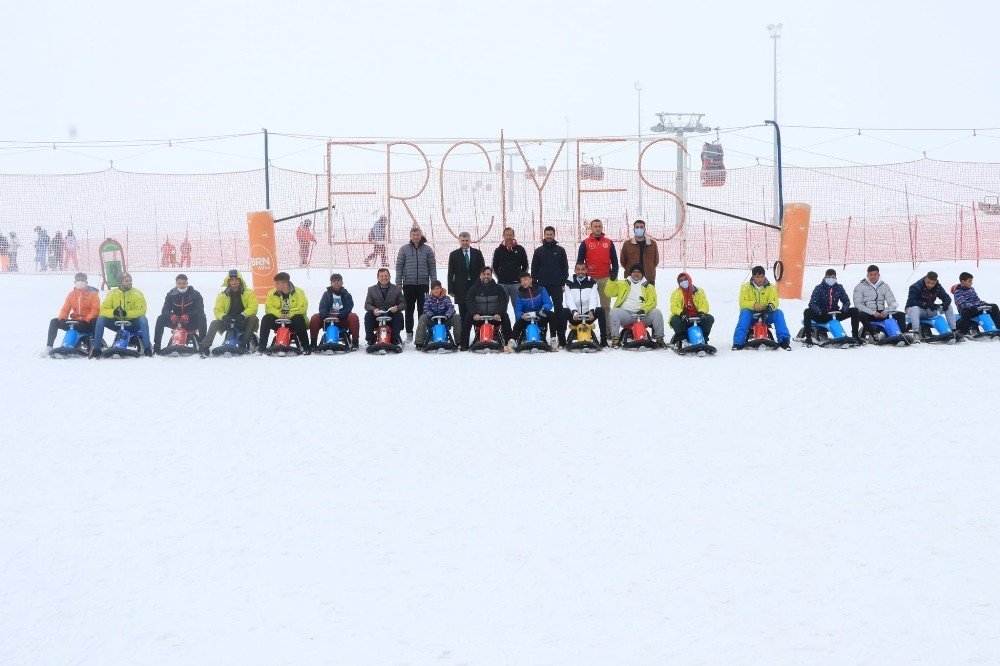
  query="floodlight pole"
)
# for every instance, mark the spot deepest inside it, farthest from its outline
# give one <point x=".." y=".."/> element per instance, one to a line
<point x="775" y="30"/>
<point x="638" y="92"/>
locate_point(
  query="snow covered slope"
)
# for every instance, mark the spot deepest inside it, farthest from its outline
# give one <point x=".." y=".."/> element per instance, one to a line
<point x="813" y="507"/>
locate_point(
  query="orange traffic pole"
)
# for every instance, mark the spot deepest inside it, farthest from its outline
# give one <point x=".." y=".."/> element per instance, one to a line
<point x="794" y="237"/>
<point x="263" y="252"/>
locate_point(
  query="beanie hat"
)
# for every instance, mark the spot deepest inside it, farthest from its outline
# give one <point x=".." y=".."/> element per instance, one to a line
<point x="636" y="267"/>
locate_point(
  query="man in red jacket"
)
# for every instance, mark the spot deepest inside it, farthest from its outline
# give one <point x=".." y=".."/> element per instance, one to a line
<point x="597" y="251"/>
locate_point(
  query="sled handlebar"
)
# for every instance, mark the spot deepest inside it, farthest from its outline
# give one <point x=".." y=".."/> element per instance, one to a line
<point x="283" y="321"/>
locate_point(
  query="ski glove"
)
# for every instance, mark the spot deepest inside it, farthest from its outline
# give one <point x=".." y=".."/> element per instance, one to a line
<point x="174" y="319"/>
<point x="119" y="311"/>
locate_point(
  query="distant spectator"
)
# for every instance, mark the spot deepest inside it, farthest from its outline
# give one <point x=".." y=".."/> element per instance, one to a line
<point x="72" y="244"/>
<point x="168" y="258"/>
<point x="304" y="236"/>
<point x="377" y="237"/>
<point x="186" y="252"/>
<point x="41" y="248"/>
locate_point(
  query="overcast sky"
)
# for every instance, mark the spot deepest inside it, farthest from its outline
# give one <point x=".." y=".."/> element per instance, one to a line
<point x="129" y="70"/>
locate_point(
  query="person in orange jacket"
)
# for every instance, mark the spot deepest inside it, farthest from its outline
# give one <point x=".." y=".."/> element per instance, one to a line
<point x="306" y="239"/>
<point x="82" y="305"/>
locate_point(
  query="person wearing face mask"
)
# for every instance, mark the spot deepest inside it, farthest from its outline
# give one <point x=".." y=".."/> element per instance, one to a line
<point x="82" y="305"/>
<point x="828" y="301"/>
<point x="581" y="297"/>
<point x="123" y="303"/>
<point x="183" y="306"/>
<point x="642" y="250"/>
<point x="550" y="269"/>
<point x="759" y="295"/>
<point x="688" y="301"/>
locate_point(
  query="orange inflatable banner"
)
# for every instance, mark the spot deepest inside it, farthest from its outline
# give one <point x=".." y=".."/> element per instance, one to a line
<point x="794" y="237"/>
<point x="263" y="252"/>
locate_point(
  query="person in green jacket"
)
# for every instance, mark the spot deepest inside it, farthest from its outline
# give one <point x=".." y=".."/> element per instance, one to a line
<point x="123" y="303"/>
<point x="633" y="296"/>
<point x="285" y="302"/>
<point x="236" y="303"/>
<point x="759" y="295"/>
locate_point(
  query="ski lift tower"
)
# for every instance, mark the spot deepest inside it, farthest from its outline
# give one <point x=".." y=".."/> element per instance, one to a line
<point x="680" y="124"/>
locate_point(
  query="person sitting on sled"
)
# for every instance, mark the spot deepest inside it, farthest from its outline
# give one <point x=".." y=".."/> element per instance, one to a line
<point x="759" y="295"/>
<point x="285" y="302"/>
<point x="485" y="300"/>
<point x="236" y="304"/>
<point x="82" y="305"/>
<point x="967" y="302"/>
<point x="829" y="301"/>
<point x="687" y="302"/>
<point x="531" y="299"/>
<point x="182" y="306"/>
<point x="581" y="297"/>
<point x="874" y="300"/>
<point x="437" y="303"/>
<point x="633" y="296"/>
<point x="123" y="303"/>
<point x="921" y="302"/>
<point x="336" y="300"/>
<point x="383" y="297"/>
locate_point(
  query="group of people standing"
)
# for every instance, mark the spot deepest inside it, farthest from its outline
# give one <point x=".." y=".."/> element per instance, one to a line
<point x="52" y="253"/>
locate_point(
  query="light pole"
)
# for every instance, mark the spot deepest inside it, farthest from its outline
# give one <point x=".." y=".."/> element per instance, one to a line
<point x="775" y="30"/>
<point x="638" y="92"/>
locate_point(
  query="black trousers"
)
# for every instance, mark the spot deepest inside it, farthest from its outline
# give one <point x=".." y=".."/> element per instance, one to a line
<point x="567" y="318"/>
<point x="297" y="324"/>
<point x="371" y="325"/>
<point x="468" y="324"/>
<point x="196" y="322"/>
<point x="810" y="316"/>
<point x="681" y="327"/>
<point x="966" y="316"/>
<point x="220" y="325"/>
<point x="414" y="295"/>
<point x="557" y="325"/>
<point x="55" y="325"/>
<point x="865" y="321"/>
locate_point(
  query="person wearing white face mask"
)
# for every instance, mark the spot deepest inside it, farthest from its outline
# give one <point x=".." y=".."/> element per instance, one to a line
<point x="82" y="305"/>
<point x="183" y="306"/>
<point x="829" y="301"/>
<point x="687" y="302"/>
<point x="642" y="250"/>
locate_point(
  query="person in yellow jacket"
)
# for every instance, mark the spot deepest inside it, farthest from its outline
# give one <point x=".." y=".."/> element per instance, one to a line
<point x="123" y="303"/>
<point x="759" y="295"/>
<point x="633" y="296"/>
<point x="285" y="302"/>
<point x="236" y="303"/>
<point x="688" y="301"/>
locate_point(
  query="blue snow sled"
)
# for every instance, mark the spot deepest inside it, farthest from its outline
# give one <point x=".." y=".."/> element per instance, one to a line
<point x="982" y="326"/>
<point x="532" y="341"/>
<point x="335" y="340"/>
<point x="830" y="334"/>
<point x="440" y="340"/>
<point x="126" y="343"/>
<point x="74" y="344"/>
<point x="695" y="344"/>
<point x="933" y="330"/>
<point x="233" y="343"/>
<point x="887" y="332"/>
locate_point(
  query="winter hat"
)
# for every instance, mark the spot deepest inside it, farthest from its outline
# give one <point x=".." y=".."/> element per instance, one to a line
<point x="758" y="270"/>
<point x="830" y="273"/>
<point x="636" y="267"/>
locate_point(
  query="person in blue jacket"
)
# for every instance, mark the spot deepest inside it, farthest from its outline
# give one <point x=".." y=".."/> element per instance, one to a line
<point x="921" y="302"/>
<point x="530" y="298"/>
<point x="829" y="301"/>
<point x="338" y="300"/>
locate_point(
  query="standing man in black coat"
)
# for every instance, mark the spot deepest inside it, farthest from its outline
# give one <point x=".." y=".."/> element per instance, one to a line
<point x="550" y="268"/>
<point x="464" y="266"/>
<point x="509" y="261"/>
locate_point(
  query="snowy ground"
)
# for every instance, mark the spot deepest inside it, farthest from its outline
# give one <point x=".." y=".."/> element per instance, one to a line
<point x="814" y="507"/>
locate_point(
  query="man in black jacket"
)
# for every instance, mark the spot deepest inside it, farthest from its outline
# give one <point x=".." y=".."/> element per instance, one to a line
<point x="464" y="267"/>
<point x="550" y="269"/>
<point x="509" y="261"/>
<point x="486" y="299"/>
<point x="183" y="306"/>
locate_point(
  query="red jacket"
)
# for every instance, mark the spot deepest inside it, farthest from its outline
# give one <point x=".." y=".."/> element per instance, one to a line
<point x="599" y="255"/>
<point x="85" y="305"/>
